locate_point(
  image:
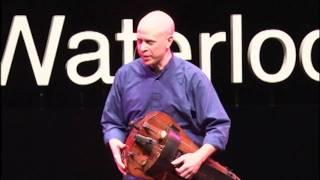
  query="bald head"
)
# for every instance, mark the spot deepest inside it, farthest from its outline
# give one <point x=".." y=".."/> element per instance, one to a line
<point x="157" y="22"/>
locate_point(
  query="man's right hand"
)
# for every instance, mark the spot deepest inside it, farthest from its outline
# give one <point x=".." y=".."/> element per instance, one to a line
<point x="116" y="147"/>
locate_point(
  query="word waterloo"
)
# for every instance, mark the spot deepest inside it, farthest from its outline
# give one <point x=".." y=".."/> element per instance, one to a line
<point x="42" y="68"/>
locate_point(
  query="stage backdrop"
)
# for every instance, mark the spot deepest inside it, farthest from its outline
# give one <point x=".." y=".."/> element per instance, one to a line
<point x="58" y="60"/>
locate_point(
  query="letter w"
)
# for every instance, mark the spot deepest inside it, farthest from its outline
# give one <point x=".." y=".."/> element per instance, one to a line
<point x="42" y="72"/>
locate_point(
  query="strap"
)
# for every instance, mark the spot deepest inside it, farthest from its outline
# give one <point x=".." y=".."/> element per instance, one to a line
<point x="167" y="155"/>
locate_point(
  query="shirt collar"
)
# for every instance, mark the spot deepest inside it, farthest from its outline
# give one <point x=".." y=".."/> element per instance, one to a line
<point x="149" y="71"/>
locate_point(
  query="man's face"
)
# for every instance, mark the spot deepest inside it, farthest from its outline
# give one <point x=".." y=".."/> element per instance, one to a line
<point x="152" y="47"/>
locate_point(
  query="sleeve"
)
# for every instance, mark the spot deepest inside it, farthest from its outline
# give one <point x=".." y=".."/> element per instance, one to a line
<point x="112" y="121"/>
<point x="211" y="115"/>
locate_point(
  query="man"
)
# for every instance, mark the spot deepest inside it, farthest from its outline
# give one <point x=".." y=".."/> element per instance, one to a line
<point x="160" y="81"/>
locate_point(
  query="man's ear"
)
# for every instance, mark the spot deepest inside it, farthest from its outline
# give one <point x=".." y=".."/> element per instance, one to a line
<point x="170" y="40"/>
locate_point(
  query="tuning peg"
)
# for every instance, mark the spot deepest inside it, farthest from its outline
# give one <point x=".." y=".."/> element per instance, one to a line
<point x="132" y="124"/>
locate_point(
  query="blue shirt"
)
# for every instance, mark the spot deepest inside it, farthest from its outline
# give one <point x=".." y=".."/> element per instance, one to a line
<point x="181" y="89"/>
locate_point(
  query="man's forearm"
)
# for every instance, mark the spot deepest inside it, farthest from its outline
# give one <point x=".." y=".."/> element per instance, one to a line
<point x="205" y="151"/>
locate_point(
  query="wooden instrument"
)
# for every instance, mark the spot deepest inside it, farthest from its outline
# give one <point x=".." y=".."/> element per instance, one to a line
<point x="156" y="140"/>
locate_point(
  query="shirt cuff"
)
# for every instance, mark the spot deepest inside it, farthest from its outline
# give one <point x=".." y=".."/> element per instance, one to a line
<point x="114" y="134"/>
<point x="218" y="142"/>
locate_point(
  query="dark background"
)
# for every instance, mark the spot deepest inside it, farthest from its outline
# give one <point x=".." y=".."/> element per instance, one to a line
<point x="53" y="132"/>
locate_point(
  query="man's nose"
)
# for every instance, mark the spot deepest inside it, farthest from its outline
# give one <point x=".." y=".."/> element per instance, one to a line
<point x="143" y="46"/>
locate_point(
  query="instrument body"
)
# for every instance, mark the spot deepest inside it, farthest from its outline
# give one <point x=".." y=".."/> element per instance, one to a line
<point x="156" y="140"/>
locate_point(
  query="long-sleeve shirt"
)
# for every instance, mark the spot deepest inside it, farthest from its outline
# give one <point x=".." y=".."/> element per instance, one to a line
<point x="181" y="90"/>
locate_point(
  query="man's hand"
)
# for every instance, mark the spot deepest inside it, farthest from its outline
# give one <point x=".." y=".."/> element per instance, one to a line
<point x="191" y="162"/>
<point x="116" y="147"/>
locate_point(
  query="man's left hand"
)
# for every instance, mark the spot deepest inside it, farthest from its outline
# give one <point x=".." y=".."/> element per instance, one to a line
<point x="191" y="162"/>
<point x="190" y="165"/>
